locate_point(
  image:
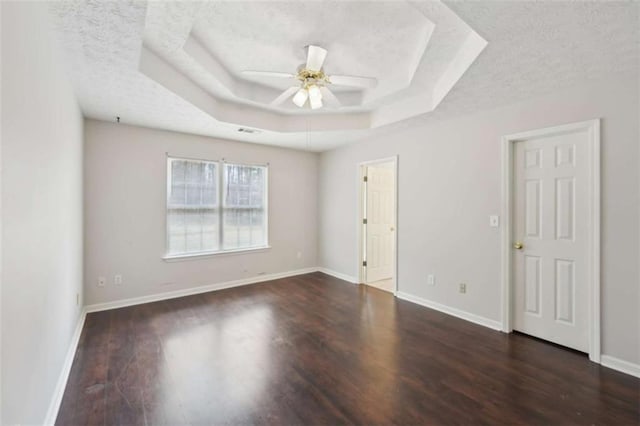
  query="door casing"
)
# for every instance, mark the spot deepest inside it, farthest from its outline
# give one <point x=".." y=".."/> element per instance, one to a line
<point x="361" y="188"/>
<point x="593" y="130"/>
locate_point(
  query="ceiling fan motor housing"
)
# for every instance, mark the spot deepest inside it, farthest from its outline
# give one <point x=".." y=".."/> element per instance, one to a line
<point x="309" y="77"/>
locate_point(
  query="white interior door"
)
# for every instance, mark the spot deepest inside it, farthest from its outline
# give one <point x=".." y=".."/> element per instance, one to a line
<point x="551" y="293"/>
<point x="380" y="220"/>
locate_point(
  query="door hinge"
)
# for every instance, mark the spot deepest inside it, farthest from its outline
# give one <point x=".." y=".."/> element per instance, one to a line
<point x="365" y="179"/>
<point x="364" y="263"/>
<point x="364" y="221"/>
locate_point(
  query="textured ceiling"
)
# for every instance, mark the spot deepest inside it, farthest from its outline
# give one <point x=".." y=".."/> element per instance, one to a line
<point x="534" y="48"/>
<point x="211" y="43"/>
<point x="538" y="47"/>
<point x="386" y="39"/>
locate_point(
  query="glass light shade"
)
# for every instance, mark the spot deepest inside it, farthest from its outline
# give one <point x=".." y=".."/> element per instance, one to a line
<point x="314" y="93"/>
<point x="315" y="103"/>
<point x="300" y="97"/>
<point x="315" y="97"/>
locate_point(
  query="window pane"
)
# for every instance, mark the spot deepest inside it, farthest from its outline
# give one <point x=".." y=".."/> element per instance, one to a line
<point x="258" y="226"/>
<point x="177" y="192"/>
<point x="176" y="228"/>
<point x="244" y="204"/>
<point x="192" y="211"/>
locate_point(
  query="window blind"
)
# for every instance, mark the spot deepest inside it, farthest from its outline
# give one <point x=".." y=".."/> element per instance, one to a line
<point x="215" y="206"/>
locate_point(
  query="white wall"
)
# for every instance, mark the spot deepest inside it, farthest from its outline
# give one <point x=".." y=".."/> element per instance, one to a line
<point x="125" y="193"/>
<point x="449" y="184"/>
<point x="1" y="273"/>
<point x="41" y="213"/>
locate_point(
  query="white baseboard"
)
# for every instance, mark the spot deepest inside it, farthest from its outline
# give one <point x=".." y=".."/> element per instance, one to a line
<point x="620" y="365"/>
<point x="194" y="290"/>
<point x="340" y="275"/>
<point x="56" y="400"/>
<point x="54" y="406"/>
<point x="467" y="316"/>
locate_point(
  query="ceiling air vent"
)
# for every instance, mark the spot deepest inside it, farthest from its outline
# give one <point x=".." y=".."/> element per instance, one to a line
<point x="247" y="130"/>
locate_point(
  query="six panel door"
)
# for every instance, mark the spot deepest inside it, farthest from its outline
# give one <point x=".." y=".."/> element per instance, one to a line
<point x="550" y="296"/>
<point x="379" y="254"/>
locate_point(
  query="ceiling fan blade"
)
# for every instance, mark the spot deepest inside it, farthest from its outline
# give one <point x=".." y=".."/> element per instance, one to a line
<point x="315" y="57"/>
<point x="284" y="96"/>
<point x="268" y="74"/>
<point x="330" y="98"/>
<point x="348" y="80"/>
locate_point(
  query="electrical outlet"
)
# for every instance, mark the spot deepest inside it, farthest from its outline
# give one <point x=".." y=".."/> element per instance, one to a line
<point x="77" y="299"/>
<point x="431" y="279"/>
<point x="494" y="221"/>
<point x="299" y="255"/>
<point x="117" y="279"/>
<point x="463" y="288"/>
<point x="102" y="281"/>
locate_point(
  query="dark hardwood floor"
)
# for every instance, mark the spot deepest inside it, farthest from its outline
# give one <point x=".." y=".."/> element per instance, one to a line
<point x="315" y="350"/>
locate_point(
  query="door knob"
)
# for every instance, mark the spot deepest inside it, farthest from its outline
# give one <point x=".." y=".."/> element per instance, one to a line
<point x="518" y="246"/>
<point x="393" y="229"/>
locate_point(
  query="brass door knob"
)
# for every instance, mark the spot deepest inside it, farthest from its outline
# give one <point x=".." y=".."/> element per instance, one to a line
<point x="518" y="246"/>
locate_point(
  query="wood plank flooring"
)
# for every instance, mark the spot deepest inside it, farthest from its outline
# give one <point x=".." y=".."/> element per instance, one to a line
<point x="386" y="285"/>
<point x="315" y="350"/>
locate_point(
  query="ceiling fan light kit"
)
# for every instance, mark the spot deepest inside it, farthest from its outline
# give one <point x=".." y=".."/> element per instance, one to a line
<point x="300" y="98"/>
<point x="314" y="82"/>
<point x="315" y="97"/>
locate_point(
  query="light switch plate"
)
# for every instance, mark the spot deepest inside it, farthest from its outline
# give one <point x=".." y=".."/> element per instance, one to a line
<point x="494" y="221"/>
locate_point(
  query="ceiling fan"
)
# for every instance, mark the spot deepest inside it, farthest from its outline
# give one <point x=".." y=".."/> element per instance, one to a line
<point x="313" y="82"/>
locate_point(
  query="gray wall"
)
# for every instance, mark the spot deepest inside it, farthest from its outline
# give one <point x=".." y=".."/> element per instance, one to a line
<point x="449" y="184"/>
<point x="41" y="214"/>
<point x="125" y="193"/>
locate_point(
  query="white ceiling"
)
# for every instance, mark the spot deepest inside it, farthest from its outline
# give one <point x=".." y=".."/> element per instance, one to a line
<point x="533" y="48"/>
<point x="385" y="39"/>
<point x="199" y="50"/>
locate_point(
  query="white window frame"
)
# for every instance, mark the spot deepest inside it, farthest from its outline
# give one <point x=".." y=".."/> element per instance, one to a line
<point x="219" y="181"/>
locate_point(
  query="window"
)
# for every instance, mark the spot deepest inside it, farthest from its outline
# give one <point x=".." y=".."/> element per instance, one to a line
<point x="215" y="207"/>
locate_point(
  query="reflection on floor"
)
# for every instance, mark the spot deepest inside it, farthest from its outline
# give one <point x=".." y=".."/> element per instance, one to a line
<point x="316" y="350"/>
<point x="386" y="285"/>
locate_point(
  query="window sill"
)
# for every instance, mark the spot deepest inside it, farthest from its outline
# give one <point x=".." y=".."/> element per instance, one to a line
<point x="196" y="256"/>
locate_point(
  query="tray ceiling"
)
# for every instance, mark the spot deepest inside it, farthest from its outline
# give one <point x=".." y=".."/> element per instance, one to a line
<point x="178" y="65"/>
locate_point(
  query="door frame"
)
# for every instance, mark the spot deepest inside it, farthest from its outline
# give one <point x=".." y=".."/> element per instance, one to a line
<point x="593" y="271"/>
<point x="360" y="210"/>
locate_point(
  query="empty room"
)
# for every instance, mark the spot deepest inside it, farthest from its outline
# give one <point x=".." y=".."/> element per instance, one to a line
<point x="320" y="212"/>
